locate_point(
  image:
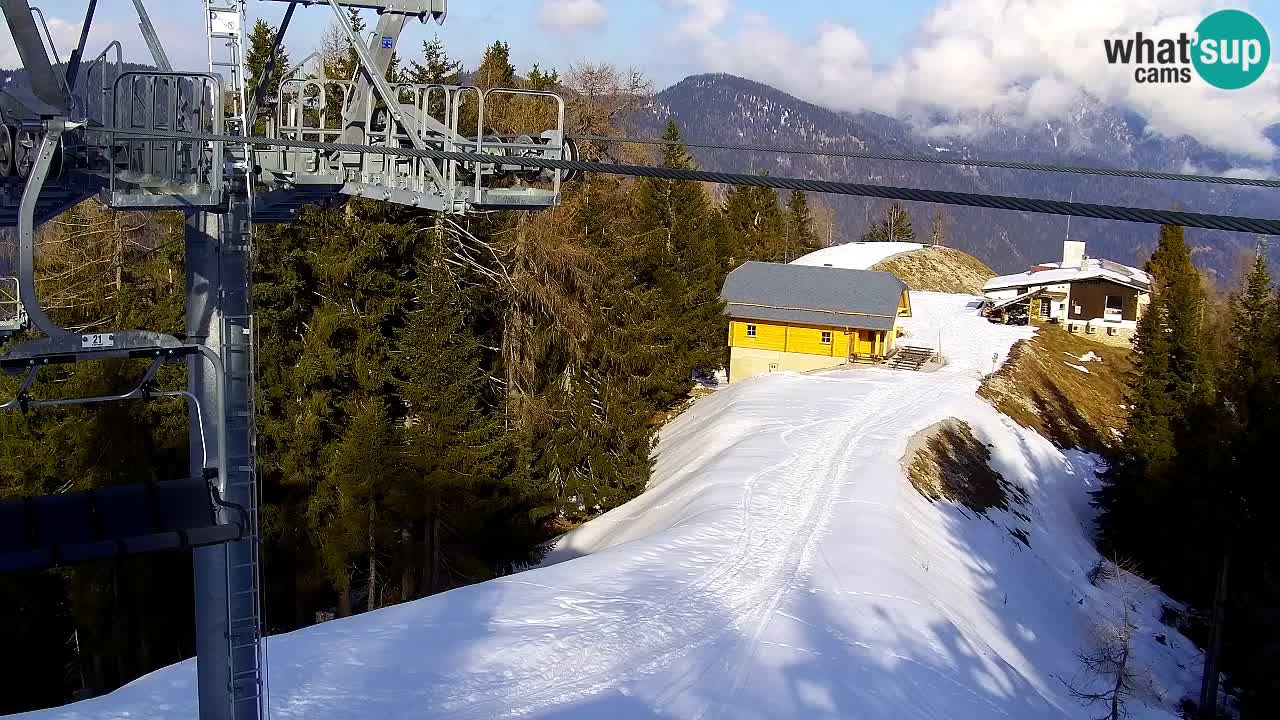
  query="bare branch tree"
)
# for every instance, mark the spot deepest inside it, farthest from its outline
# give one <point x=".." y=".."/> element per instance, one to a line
<point x="1109" y="674"/>
<point x="599" y="95"/>
<point x="938" y="228"/>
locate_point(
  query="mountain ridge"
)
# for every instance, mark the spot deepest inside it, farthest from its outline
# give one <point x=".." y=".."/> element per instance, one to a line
<point x="720" y="108"/>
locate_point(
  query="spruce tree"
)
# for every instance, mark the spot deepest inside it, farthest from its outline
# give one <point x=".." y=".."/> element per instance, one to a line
<point x="1133" y="483"/>
<point x="800" y="236"/>
<point x="1236" y="504"/>
<point x="1174" y="438"/>
<point x="756" y="224"/>
<point x="895" y="227"/>
<point x="256" y="61"/>
<point x="1184" y="315"/>
<point x="539" y="79"/>
<point x="454" y="445"/>
<point x="495" y="68"/>
<point x="436" y="68"/>
<point x="679" y="260"/>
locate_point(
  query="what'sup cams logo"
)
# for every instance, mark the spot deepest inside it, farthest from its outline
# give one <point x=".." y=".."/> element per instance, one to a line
<point x="1229" y="50"/>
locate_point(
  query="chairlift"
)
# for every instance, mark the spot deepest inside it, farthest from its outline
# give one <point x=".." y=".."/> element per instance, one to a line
<point x="38" y="533"/>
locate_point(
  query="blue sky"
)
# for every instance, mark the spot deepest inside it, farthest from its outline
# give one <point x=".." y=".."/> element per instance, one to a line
<point x="1025" y="61"/>
<point x="631" y="35"/>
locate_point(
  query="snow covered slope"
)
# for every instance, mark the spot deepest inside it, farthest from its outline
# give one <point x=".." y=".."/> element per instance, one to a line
<point x="779" y="566"/>
<point x="856" y="255"/>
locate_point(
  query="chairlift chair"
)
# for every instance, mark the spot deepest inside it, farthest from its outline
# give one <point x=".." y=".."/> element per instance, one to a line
<point x="38" y="533"/>
<point x="70" y="528"/>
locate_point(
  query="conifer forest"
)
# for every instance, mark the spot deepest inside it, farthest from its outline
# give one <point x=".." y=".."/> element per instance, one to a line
<point x="438" y="397"/>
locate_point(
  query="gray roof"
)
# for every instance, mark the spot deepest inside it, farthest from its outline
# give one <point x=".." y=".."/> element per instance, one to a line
<point x="813" y="295"/>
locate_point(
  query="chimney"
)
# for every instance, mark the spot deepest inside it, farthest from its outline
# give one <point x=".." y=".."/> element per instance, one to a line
<point x="1072" y="254"/>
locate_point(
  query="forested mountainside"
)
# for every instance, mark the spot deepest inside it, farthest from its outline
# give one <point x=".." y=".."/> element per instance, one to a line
<point x="726" y="109"/>
<point x="438" y="397"/>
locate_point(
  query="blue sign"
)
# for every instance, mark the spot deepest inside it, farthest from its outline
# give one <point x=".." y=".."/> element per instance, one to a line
<point x="387" y="42"/>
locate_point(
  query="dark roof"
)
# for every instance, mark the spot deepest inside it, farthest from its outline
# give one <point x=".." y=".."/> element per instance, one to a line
<point x="813" y="295"/>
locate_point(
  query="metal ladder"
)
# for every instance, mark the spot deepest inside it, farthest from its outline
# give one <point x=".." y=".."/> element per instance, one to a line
<point x="247" y="671"/>
<point x="225" y="23"/>
<point x="244" y="607"/>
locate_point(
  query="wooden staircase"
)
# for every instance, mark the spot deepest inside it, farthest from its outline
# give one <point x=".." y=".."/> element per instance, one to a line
<point x="909" y="357"/>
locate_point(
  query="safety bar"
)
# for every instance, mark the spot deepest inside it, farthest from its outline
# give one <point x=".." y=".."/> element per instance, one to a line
<point x="140" y="391"/>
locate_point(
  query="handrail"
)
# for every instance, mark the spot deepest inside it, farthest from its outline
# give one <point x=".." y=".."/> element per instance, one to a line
<point x="27" y="230"/>
<point x="48" y="37"/>
<point x="142" y="391"/>
<point x="179" y="102"/>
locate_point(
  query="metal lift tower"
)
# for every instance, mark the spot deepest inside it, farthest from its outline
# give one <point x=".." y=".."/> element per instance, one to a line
<point x="143" y="140"/>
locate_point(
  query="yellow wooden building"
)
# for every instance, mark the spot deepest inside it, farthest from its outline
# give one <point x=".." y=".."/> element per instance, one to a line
<point x="800" y="317"/>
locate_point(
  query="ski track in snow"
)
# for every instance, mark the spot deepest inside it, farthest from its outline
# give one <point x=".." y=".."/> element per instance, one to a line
<point x="778" y="566"/>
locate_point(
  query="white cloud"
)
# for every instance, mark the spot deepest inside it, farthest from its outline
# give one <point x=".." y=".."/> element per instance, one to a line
<point x="1022" y="61"/>
<point x="571" y="15"/>
<point x="65" y="36"/>
<point x="701" y="17"/>
<point x="66" y="33"/>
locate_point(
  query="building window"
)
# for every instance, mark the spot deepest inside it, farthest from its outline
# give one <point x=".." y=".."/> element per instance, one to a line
<point x="1114" y="308"/>
<point x="826" y="337"/>
<point x="751" y="331"/>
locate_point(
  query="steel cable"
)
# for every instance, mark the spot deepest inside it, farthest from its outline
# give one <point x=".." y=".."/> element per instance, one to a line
<point x="1073" y="169"/>
<point x="1206" y="221"/>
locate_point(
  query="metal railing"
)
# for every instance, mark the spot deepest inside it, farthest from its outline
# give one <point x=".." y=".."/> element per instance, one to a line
<point x="166" y="171"/>
<point x="318" y="109"/>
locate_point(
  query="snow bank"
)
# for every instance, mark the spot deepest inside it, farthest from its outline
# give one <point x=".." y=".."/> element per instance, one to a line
<point x="856" y="255"/>
<point x="779" y="566"/>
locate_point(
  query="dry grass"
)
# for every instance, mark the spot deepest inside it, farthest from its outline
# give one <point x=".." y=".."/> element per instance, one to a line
<point x="946" y="461"/>
<point x="1039" y="390"/>
<point x="938" y="269"/>
<point x="662" y="417"/>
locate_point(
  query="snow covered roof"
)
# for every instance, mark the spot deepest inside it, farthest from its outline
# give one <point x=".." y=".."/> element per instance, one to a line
<point x="856" y="255"/>
<point x="1090" y="269"/>
<point x="813" y="295"/>
<point x="1017" y="298"/>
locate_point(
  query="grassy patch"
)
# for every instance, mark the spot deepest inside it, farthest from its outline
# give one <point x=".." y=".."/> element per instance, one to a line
<point x="1039" y="389"/>
<point x="938" y="269"/>
<point x="946" y="461"/>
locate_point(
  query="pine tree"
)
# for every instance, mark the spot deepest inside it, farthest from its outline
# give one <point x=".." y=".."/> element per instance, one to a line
<point x="1173" y="437"/>
<point x="801" y="237"/>
<point x="678" y="260"/>
<point x="495" y="68"/>
<point x="1246" y="512"/>
<point x="896" y="227"/>
<point x="756" y="224"/>
<point x="256" y="61"/>
<point x="454" y="445"/>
